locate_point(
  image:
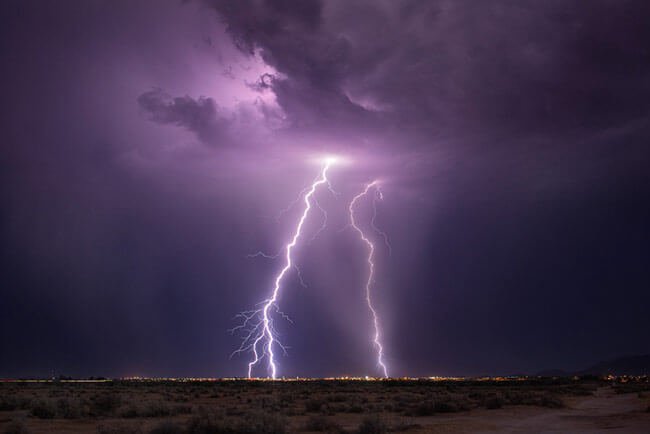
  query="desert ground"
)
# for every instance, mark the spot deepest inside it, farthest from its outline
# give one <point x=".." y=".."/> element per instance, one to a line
<point x="333" y="406"/>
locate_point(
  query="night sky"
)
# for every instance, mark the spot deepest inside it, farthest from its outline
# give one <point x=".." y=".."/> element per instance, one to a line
<point x="149" y="146"/>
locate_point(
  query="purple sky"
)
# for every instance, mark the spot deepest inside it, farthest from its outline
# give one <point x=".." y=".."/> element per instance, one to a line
<point x="149" y="146"/>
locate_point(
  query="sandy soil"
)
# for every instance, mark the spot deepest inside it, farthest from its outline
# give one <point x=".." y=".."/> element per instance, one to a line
<point x="604" y="412"/>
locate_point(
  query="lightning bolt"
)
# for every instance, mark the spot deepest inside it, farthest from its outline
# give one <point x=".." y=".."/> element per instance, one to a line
<point x="371" y="267"/>
<point x="379" y="196"/>
<point x="260" y="336"/>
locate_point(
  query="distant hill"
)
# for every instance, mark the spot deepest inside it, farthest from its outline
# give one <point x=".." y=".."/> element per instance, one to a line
<point x="629" y="365"/>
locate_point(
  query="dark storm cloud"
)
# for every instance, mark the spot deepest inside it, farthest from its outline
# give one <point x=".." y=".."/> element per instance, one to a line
<point x="516" y="196"/>
<point x="534" y="67"/>
<point x="312" y="59"/>
<point x="200" y="116"/>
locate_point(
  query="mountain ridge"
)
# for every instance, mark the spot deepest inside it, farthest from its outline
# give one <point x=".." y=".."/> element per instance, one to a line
<point x="625" y="365"/>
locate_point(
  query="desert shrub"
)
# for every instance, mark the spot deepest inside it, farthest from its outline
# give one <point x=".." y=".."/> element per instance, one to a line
<point x="167" y="427"/>
<point x="208" y="423"/>
<point x="8" y="403"/>
<point x="446" y="407"/>
<point x="253" y="423"/>
<point x="69" y="408"/>
<point x="631" y="387"/>
<point x="407" y="398"/>
<point x="182" y="409"/>
<point x="336" y="407"/>
<point x="583" y="390"/>
<point x="286" y="399"/>
<point x="25" y="403"/>
<point x="119" y="428"/>
<point x="264" y="423"/>
<point x="129" y="411"/>
<point x="266" y="402"/>
<point x="105" y="403"/>
<point x="425" y="408"/>
<point x="235" y="411"/>
<point x="355" y="406"/>
<point x="43" y="409"/>
<point x="372" y="425"/>
<point x="292" y="411"/>
<point x="338" y="397"/>
<point x="180" y="398"/>
<point x="314" y="405"/>
<point x="155" y="409"/>
<point x="321" y="423"/>
<point x="518" y="398"/>
<point x="16" y="427"/>
<point x="402" y="424"/>
<point x="551" y="401"/>
<point x="493" y="402"/>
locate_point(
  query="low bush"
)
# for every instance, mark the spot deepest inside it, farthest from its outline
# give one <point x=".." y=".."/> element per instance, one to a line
<point x="68" y="408"/>
<point x="424" y="408"/>
<point x="43" y="409"/>
<point x="372" y="425"/>
<point x="105" y="404"/>
<point x="8" y="403"/>
<point x="354" y="407"/>
<point x="551" y="401"/>
<point x="264" y="423"/>
<point x="402" y="424"/>
<point x="153" y="409"/>
<point x="130" y="411"/>
<point x="446" y="407"/>
<point x="321" y="423"/>
<point x="16" y="427"/>
<point x="119" y="428"/>
<point x="167" y="427"/>
<point x="251" y="423"/>
<point x="493" y="403"/>
<point x="314" y="405"/>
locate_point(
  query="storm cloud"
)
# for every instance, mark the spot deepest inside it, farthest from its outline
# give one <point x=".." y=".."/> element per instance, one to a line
<point x="197" y="115"/>
<point x="149" y="148"/>
<point x="518" y="67"/>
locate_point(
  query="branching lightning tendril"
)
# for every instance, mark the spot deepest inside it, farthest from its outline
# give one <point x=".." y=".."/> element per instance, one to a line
<point x="379" y="195"/>
<point x="371" y="268"/>
<point x="259" y="334"/>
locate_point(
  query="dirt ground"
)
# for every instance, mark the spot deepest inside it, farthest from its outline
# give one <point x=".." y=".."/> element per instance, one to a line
<point x="531" y="406"/>
<point x="605" y="412"/>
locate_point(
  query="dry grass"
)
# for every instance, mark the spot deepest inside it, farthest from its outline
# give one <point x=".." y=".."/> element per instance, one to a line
<point x="123" y="407"/>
